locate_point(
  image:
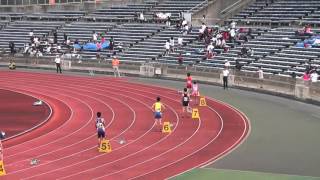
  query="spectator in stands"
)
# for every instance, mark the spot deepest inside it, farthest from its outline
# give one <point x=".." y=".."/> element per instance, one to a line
<point x="65" y="37"/>
<point x="57" y="60"/>
<point x="168" y="21"/>
<point x="250" y="52"/>
<point x="238" y="66"/>
<point x="12" y="48"/>
<point x="227" y="64"/>
<point x="260" y="75"/>
<point x="12" y="65"/>
<point x="180" y="59"/>
<point x="111" y="43"/>
<point x="243" y="52"/>
<point x="115" y="66"/>
<point x="180" y="42"/>
<point x="233" y="25"/>
<point x="94" y="36"/>
<point x="225" y="74"/>
<point x="232" y="33"/>
<point x="31" y="33"/>
<point x="306" y="76"/>
<point x="314" y="76"/>
<point x="201" y="32"/>
<point x="307" y="30"/>
<point x="210" y="50"/>
<point x="167" y="48"/>
<point x="55" y="37"/>
<point x="172" y="44"/>
<point x="141" y="17"/>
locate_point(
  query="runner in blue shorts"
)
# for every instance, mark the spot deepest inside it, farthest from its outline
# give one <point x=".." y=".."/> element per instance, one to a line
<point x="157" y="108"/>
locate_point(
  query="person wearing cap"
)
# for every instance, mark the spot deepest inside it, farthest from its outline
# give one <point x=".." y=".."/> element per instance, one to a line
<point x="57" y="60"/>
<point x="115" y="66"/>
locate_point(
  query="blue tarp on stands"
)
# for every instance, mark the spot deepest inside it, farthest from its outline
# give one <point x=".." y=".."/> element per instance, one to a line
<point x="312" y="42"/>
<point x="91" y="46"/>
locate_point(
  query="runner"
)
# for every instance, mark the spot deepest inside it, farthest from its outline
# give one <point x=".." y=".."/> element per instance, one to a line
<point x="195" y="92"/>
<point x="189" y="82"/>
<point x="100" y="119"/>
<point x="185" y="104"/>
<point x="157" y="108"/>
<point x="100" y="125"/>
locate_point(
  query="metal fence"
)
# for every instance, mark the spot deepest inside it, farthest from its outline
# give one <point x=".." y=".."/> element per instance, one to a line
<point x="40" y="2"/>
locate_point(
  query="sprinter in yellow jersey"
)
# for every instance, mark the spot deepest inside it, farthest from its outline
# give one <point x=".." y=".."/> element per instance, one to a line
<point x="157" y="108"/>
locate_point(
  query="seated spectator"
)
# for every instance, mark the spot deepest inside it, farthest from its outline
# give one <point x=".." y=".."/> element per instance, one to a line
<point x="180" y="59"/>
<point x="307" y="30"/>
<point x="12" y="65"/>
<point x="250" y="52"/>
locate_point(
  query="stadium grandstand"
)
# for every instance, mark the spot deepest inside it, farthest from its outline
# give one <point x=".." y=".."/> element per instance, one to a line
<point x="269" y="46"/>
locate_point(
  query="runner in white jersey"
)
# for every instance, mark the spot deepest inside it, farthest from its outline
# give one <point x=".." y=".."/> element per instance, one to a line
<point x="100" y="125"/>
<point x="195" y="91"/>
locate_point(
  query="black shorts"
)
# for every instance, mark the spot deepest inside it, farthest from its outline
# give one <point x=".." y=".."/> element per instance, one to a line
<point x="185" y="104"/>
<point x="101" y="133"/>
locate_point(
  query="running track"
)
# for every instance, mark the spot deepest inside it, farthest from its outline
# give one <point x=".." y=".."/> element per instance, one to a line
<point x="67" y="146"/>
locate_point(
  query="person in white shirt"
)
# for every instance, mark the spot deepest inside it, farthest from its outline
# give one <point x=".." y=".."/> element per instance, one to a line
<point x="184" y="22"/>
<point x="31" y="33"/>
<point x="260" y="75"/>
<point x="225" y="74"/>
<point x="210" y="48"/>
<point x="232" y="35"/>
<point x="180" y="41"/>
<point x="141" y="17"/>
<point x="227" y="64"/>
<point x="57" y="60"/>
<point x="167" y="47"/>
<point x="172" y="44"/>
<point x="314" y="76"/>
<point x="233" y="25"/>
<point x="94" y="36"/>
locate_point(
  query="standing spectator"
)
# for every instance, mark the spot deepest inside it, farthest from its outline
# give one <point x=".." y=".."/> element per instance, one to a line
<point x="232" y="35"/>
<point x="94" y="36"/>
<point x="260" y="75"/>
<point x="180" y="59"/>
<point x="180" y="42"/>
<point x="141" y="17"/>
<point x="12" y="46"/>
<point x="238" y="65"/>
<point x="115" y="66"/>
<point x="306" y="76"/>
<point x="111" y="43"/>
<point x="167" y="47"/>
<point x="225" y="74"/>
<point x="55" y="37"/>
<point x="233" y="25"/>
<point x="172" y="44"/>
<point x="57" y="60"/>
<point x="65" y="37"/>
<point x="314" y="76"/>
<point x="168" y="22"/>
<point x="226" y="64"/>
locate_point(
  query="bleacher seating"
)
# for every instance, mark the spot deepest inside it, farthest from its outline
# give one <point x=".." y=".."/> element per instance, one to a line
<point x="274" y="46"/>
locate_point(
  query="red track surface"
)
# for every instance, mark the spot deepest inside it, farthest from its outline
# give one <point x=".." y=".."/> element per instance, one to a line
<point x="69" y="151"/>
<point x="17" y="114"/>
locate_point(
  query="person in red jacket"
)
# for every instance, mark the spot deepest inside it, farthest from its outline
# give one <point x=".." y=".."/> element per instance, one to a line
<point x="189" y="82"/>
